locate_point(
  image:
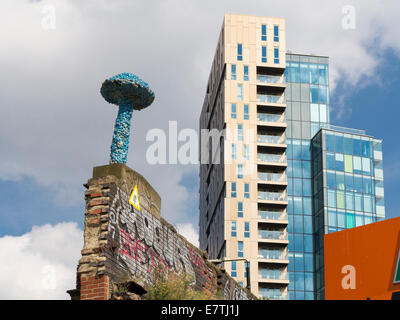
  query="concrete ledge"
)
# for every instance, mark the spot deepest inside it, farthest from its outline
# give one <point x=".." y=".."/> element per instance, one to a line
<point x="126" y="179"/>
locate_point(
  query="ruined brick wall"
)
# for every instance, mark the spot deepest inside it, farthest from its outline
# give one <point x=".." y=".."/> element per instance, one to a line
<point x="122" y="242"/>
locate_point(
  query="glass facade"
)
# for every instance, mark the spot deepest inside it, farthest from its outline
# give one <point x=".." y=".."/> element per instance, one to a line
<point x="347" y="187"/>
<point x="307" y="110"/>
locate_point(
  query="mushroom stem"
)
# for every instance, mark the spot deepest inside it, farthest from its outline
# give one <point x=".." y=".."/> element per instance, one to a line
<point x="120" y="141"/>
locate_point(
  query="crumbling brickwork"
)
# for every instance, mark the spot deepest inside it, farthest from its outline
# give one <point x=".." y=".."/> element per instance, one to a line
<point x="122" y="242"/>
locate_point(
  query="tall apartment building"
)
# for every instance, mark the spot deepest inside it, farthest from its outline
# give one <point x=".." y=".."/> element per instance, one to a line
<point x="259" y="197"/>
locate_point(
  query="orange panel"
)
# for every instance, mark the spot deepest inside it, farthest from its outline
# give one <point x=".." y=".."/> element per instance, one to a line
<point x="367" y="256"/>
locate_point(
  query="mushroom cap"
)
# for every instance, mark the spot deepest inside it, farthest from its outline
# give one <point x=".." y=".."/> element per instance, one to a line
<point x="127" y="88"/>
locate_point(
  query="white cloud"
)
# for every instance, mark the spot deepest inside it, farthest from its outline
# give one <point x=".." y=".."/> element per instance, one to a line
<point x="187" y="230"/>
<point x="40" y="264"/>
<point x="55" y="126"/>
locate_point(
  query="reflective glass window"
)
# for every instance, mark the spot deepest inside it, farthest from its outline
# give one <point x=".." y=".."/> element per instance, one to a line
<point x="348" y="163"/>
<point x="358" y="202"/>
<point x="314" y="94"/>
<point x="339" y="181"/>
<point x="323" y="95"/>
<point x="313" y="73"/>
<point x="340" y="202"/>
<point x="339" y="162"/>
<point x="341" y="219"/>
<point x="330" y="142"/>
<point x="295" y="72"/>
<point x="365" y="148"/>
<point x="330" y="161"/>
<point x="357" y="147"/>
<point x="339" y="144"/>
<point x="350" y="221"/>
<point x="349" y="201"/>
<point x="322" y="74"/>
<point x="357" y="165"/>
<point x="304" y="75"/>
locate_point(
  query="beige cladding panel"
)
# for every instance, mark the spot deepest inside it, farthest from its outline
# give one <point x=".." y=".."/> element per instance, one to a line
<point x="247" y="31"/>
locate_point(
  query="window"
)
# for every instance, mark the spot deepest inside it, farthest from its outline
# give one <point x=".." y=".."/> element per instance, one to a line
<point x="246" y="190"/>
<point x="240" y="171"/>
<point x="323" y="95"/>
<point x="339" y="162"/>
<point x="246" y="112"/>
<point x="313" y="73"/>
<point x="233" y="110"/>
<point x="240" y="92"/>
<point x="233" y="72"/>
<point x="314" y="94"/>
<point x="276" y="33"/>
<point x="233" y="269"/>
<point x="246" y="152"/>
<point x="240" y="209"/>
<point x="233" y="151"/>
<point x="295" y="71"/>
<point x="276" y="55"/>
<point x="233" y="229"/>
<point x="239" y="52"/>
<point x="240" y="132"/>
<point x="246" y="73"/>
<point x="264" y="54"/>
<point x="314" y="112"/>
<point x="240" y="249"/>
<point x="263" y="32"/>
<point x="247" y="229"/>
<point x="304" y="73"/>
<point x="233" y="190"/>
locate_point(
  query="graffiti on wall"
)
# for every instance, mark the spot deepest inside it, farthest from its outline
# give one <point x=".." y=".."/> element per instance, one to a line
<point x="146" y="243"/>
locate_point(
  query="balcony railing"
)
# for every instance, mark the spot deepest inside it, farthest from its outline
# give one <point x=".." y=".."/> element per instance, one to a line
<point x="273" y="274"/>
<point x="266" y="195"/>
<point x="272" y="215"/>
<point x="264" y="138"/>
<point x="268" y="296"/>
<point x="272" y="254"/>
<point x="269" y="79"/>
<point x="269" y="98"/>
<point x="270" y="117"/>
<point x="268" y="176"/>
<point x="265" y="157"/>
<point x="272" y="235"/>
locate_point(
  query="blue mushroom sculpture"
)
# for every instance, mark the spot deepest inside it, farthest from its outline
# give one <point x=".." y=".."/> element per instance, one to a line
<point x="130" y="93"/>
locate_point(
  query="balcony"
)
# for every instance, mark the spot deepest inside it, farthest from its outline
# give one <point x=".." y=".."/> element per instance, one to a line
<point x="271" y="139"/>
<point x="270" y="117"/>
<point x="279" y="159"/>
<point x="271" y="254"/>
<point x="271" y="120"/>
<point x="276" y="216"/>
<point x="272" y="296"/>
<point x="273" y="276"/>
<point x="274" y="196"/>
<point x="276" y="178"/>
<point x="272" y="235"/>
<point x="269" y="79"/>
<point x="270" y="98"/>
